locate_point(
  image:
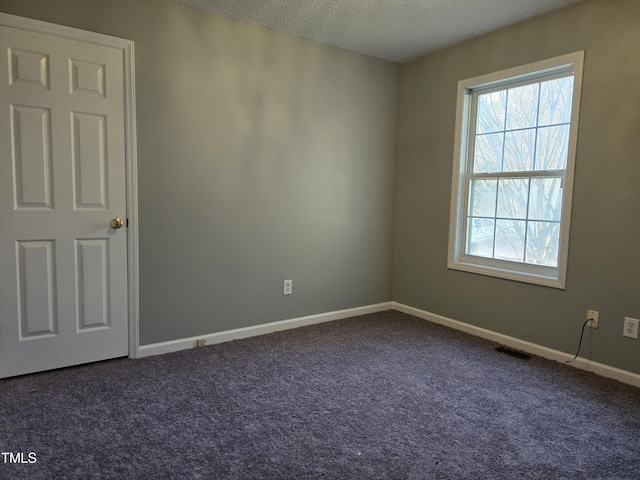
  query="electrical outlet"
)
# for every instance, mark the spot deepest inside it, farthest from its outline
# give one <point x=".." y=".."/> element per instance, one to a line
<point x="631" y="327"/>
<point x="201" y="342"/>
<point x="592" y="317"/>
<point x="288" y="287"/>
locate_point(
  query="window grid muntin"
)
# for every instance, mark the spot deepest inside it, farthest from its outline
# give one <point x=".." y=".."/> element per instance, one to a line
<point x="555" y="277"/>
<point x="468" y="216"/>
<point x="475" y="93"/>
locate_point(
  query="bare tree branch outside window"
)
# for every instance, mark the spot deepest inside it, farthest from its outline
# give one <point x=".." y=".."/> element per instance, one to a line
<point x="516" y="185"/>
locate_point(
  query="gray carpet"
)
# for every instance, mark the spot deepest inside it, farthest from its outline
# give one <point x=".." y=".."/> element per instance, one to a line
<point x="381" y="396"/>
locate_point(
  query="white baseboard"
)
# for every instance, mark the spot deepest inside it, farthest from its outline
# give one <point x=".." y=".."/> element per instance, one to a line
<point x="532" y="348"/>
<point x="601" y="369"/>
<point x="219" y="337"/>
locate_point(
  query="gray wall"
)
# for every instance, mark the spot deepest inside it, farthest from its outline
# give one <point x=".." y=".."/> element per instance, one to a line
<point x="604" y="256"/>
<point x="261" y="156"/>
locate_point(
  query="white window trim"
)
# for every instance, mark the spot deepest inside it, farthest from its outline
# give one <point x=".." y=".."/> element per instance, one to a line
<point x="457" y="259"/>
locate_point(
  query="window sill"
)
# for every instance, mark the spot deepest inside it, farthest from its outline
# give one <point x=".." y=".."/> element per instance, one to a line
<point x="545" y="276"/>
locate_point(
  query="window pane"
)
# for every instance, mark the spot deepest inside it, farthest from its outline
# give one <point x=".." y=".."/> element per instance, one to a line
<point x="510" y="240"/>
<point x="513" y="194"/>
<point x="555" y="101"/>
<point x="480" y="239"/>
<point x="522" y="106"/>
<point x="552" y="147"/>
<point x="543" y="239"/>
<point x="488" y="153"/>
<point x="491" y="112"/>
<point x="483" y="198"/>
<point x="545" y="200"/>
<point x="519" y="150"/>
<point x="514" y="155"/>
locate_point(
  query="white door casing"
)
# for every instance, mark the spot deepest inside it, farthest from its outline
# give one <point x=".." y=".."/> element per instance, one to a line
<point x="67" y="167"/>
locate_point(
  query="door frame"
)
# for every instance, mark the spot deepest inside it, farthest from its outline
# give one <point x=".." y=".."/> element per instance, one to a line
<point x="127" y="48"/>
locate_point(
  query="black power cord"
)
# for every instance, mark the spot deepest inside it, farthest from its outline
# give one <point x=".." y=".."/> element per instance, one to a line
<point x="580" y="343"/>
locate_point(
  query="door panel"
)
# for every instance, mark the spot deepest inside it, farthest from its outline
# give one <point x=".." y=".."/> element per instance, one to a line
<point x="89" y="152"/>
<point x="93" y="283"/>
<point x="63" y="295"/>
<point x="31" y="127"/>
<point x="36" y="289"/>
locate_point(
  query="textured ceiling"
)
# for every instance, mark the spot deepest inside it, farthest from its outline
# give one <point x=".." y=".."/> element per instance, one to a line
<point x="396" y="30"/>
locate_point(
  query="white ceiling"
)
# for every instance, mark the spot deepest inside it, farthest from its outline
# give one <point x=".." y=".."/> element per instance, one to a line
<point x="396" y="30"/>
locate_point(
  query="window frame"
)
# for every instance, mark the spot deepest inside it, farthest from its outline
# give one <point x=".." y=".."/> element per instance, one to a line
<point x="465" y="113"/>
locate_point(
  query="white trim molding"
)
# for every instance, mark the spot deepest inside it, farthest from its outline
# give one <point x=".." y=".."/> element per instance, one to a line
<point x="464" y="175"/>
<point x="601" y="369"/>
<point x="252" y="331"/>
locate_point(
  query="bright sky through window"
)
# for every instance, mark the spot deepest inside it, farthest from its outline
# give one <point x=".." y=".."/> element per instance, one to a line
<point x="515" y="151"/>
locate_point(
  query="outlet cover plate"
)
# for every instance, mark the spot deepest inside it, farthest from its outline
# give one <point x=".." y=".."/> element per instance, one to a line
<point x="631" y="327"/>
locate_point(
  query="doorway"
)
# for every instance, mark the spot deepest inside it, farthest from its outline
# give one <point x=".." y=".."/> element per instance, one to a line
<point x="68" y="197"/>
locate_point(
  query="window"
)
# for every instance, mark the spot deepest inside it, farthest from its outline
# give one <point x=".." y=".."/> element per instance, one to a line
<point x="513" y="171"/>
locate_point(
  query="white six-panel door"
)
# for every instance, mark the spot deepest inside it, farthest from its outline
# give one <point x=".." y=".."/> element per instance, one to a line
<point x="63" y="295"/>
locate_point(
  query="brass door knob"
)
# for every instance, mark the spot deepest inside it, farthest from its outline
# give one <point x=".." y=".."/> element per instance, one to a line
<point x="117" y="223"/>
